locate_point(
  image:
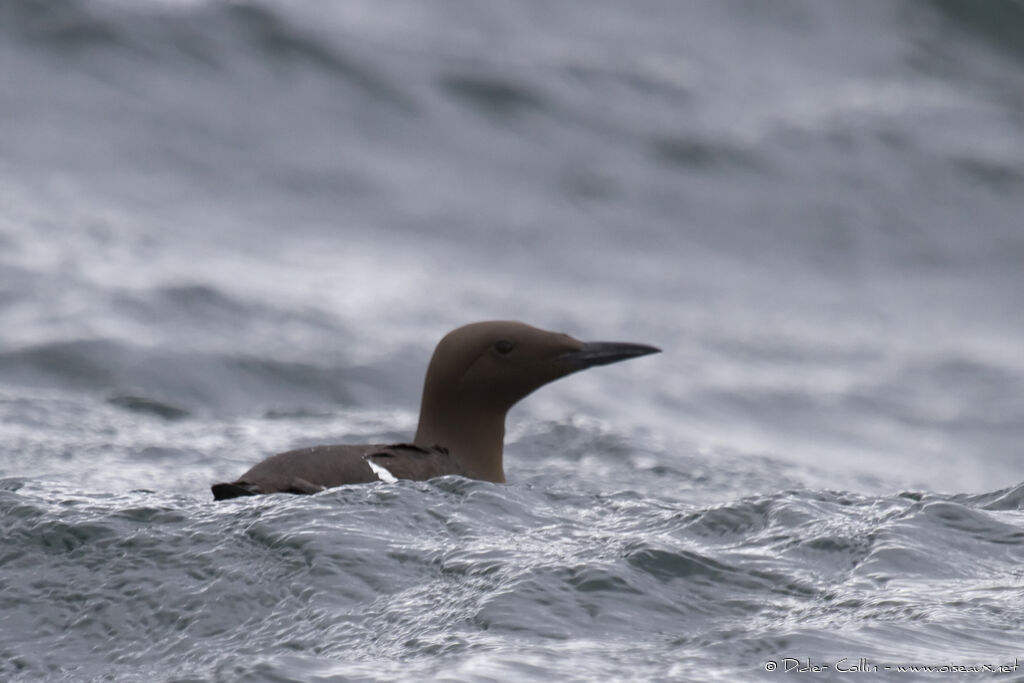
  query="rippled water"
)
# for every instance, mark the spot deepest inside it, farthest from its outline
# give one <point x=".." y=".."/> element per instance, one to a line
<point x="232" y="228"/>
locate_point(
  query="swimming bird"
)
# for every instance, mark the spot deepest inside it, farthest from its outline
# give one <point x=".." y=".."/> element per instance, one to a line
<point x="476" y="374"/>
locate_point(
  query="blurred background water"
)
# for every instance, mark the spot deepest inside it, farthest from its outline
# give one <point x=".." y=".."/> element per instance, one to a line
<point x="232" y="228"/>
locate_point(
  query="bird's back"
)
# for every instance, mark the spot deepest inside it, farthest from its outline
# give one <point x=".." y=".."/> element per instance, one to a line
<point x="310" y="470"/>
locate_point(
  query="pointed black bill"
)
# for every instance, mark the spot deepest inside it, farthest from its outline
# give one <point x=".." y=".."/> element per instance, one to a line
<point x="603" y="353"/>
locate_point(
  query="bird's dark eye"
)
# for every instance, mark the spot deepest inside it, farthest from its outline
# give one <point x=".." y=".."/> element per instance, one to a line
<point x="504" y="346"/>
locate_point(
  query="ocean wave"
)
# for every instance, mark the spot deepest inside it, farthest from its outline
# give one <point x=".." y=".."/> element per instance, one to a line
<point x="419" y="570"/>
<point x="206" y="35"/>
<point x="999" y="22"/>
<point x="172" y="384"/>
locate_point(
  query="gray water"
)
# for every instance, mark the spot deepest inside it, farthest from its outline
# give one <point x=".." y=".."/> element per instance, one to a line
<point x="232" y="228"/>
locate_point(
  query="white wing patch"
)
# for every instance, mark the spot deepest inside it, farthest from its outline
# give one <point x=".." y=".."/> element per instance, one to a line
<point x="381" y="472"/>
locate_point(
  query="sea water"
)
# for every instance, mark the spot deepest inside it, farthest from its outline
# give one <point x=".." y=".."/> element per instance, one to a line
<point x="232" y="228"/>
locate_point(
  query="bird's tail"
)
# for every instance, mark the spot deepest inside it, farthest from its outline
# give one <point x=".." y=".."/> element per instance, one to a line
<point x="224" y="490"/>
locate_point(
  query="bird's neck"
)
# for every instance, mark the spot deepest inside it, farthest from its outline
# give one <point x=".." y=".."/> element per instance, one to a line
<point x="473" y="436"/>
